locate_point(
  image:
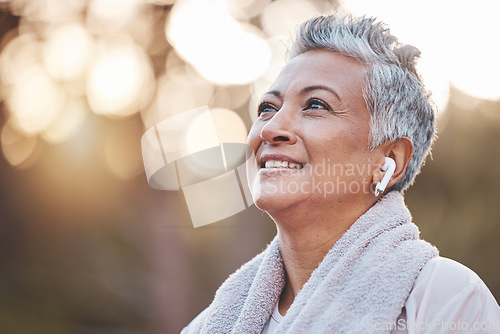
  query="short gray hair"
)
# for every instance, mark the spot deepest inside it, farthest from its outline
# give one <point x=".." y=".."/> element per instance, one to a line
<point x="395" y="96"/>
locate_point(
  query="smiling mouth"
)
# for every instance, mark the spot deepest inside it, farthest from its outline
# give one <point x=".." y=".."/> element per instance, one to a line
<point x="281" y="164"/>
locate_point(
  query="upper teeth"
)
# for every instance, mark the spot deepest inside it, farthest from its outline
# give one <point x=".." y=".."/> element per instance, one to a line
<point x="282" y="164"/>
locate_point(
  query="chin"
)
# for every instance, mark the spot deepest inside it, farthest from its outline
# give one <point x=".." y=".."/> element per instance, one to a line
<point x="268" y="198"/>
<point x="271" y="204"/>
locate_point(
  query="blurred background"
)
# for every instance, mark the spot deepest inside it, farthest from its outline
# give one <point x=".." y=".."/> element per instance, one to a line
<point x="86" y="246"/>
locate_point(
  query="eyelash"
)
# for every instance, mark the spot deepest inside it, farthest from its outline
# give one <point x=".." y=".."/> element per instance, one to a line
<point x="313" y="101"/>
<point x="309" y="105"/>
<point x="264" y="106"/>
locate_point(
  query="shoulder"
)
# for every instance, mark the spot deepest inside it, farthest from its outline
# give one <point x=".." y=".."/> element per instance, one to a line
<point x="448" y="293"/>
<point x="448" y="275"/>
<point x="444" y="277"/>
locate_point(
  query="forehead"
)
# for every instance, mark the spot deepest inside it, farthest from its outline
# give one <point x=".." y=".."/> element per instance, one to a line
<point x="323" y="67"/>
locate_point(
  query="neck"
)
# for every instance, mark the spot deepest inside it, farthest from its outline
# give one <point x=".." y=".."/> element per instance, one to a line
<point x="305" y="238"/>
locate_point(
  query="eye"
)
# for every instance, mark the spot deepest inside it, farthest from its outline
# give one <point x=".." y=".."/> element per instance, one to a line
<point x="266" y="108"/>
<point x="317" y="104"/>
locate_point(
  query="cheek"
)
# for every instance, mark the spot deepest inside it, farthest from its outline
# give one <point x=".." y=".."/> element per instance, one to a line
<point x="342" y="149"/>
<point x="253" y="139"/>
<point x="355" y="139"/>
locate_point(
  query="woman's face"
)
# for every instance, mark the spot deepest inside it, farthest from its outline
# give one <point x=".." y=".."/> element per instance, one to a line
<point x="311" y="137"/>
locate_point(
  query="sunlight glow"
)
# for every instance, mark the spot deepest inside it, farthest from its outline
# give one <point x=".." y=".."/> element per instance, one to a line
<point x="473" y="55"/>
<point x="217" y="46"/>
<point x="230" y="97"/>
<point x="19" y="52"/>
<point x="435" y="81"/>
<point x="201" y="133"/>
<point x="17" y="148"/>
<point x="162" y="2"/>
<point x="35" y="100"/>
<point x="246" y="9"/>
<point x="178" y="91"/>
<point x="281" y="17"/>
<point x="229" y="126"/>
<point x="48" y="10"/>
<point x="67" y="52"/>
<point x="121" y="80"/>
<point x="68" y="122"/>
<point x="106" y="16"/>
<point x="466" y="56"/>
<point x="176" y="140"/>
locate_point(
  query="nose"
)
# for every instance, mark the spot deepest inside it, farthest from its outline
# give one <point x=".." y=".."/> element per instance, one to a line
<point x="279" y="129"/>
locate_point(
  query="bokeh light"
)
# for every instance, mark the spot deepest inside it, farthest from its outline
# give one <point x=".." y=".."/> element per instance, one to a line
<point x="178" y="91"/>
<point x="221" y="49"/>
<point x="436" y="82"/>
<point x="467" y="57"/>
<point x="162" y="2"/>
<point x="108" y="16"/>
<point x="17" y="148"/>
<point x="230" y="97"/>
<point x="48" y="10"/>
<point x="18" y="50"/>
<point x="281" y="17"/>
<point x="35" y="100"/>
<point x="68" y="122"/>
<point x="472" y="56"/>
<point x="121" y="80"/>
<point x="67" y="52"/>
<point x="229" y="126"/>
<point x="246" y="9"/>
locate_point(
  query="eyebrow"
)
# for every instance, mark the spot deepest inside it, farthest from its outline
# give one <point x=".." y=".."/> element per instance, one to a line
<point x="274" y="92"/>
<point x="321" y="87"/>
<point x="309" y="89"/>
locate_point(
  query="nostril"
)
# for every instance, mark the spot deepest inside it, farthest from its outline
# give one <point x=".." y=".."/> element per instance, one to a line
<point x="281" y="138"/>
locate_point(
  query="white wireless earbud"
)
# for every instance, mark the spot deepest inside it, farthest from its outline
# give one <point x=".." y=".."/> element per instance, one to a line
<point x="388" y="168"/>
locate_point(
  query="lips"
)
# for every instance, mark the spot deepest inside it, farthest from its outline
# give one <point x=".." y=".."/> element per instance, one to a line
<point x="279" y="161"/>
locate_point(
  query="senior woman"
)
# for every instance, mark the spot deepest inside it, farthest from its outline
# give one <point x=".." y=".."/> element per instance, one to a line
<point x="339" y="136"/>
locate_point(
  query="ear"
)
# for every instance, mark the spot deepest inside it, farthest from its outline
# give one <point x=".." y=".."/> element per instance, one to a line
<point x="401" y="151"/>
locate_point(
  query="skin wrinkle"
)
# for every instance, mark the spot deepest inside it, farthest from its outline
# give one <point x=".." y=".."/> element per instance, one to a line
<point x="397" y="101"/>
<point x="386" y="111"/>
<point x="300" y="134"/>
